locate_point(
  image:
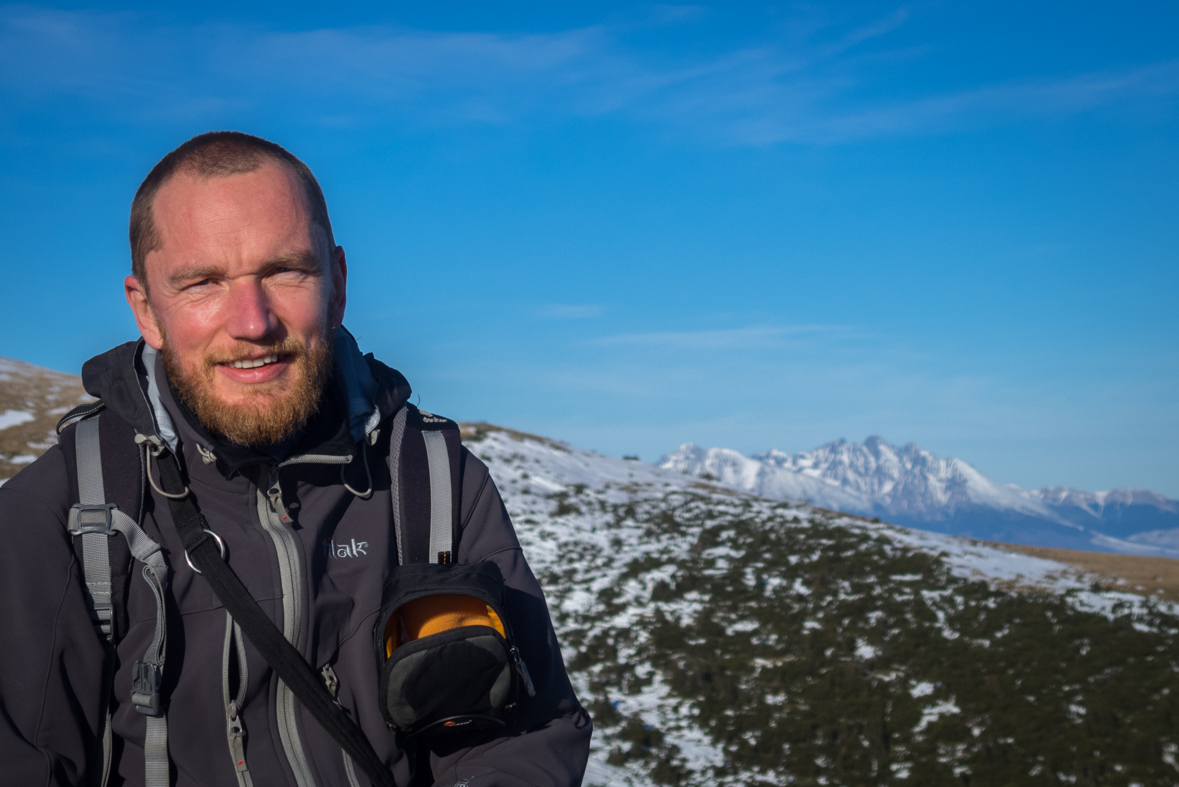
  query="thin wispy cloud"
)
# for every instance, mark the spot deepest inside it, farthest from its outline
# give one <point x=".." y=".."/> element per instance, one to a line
<point x="571" y="311"/>
<point x="992" y="104"/>
<point x="790" y="92"/>
<point x="725" y="339"/>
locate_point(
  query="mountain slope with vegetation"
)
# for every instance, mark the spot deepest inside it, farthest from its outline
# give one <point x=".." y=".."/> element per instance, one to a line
<point x="722" y="638"/>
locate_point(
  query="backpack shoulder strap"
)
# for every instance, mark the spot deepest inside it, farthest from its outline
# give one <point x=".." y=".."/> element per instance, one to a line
<point x="425" y="468"/>
<point x="110" y="468"/>
<point x="84" y="410"/>
<point x="94" y="521"/>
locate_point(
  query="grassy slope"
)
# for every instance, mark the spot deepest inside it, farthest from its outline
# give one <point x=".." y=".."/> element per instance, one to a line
<point x="46" y="395"/>
<point x="1157" y="576"/>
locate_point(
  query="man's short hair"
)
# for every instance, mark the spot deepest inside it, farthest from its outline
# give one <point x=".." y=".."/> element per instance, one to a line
<point x="210" y="155"/>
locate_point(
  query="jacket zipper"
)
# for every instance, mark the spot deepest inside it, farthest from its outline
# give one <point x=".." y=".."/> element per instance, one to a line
<point x="333" y="685"/>
<point x="273" y="516"/>
<point x="522" y="669"/>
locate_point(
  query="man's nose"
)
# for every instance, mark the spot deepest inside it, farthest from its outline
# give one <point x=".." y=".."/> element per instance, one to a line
<point x="250" y="316"/>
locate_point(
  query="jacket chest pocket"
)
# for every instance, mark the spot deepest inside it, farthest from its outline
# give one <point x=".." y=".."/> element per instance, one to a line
<point x="350" y="565"/>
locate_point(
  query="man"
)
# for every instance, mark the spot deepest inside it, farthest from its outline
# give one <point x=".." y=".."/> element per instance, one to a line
<point x="246" y="375"/>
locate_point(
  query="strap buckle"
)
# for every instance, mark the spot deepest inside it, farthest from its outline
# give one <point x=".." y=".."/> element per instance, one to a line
<point x="220" y="544"/>
<point x="145" y="687"/>
<point x="92" y="518"/>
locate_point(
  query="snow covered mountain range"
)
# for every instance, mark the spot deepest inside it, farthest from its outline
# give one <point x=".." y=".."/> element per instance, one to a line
<point x="911" y="486"/>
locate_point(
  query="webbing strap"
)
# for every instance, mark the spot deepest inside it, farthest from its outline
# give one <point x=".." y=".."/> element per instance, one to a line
<point x="96" y="560"/>
<point x="96" y="566"/>
<point x="438" y="461"/>
<point x="94" y="521"/>
<point x="395" y="438"/>
<point x="89" y="459"/>
<point x="105" y="775"/>
<point x="290" y="666"/>
<point x="154" y="656"/>
<point x="155" y="752"/>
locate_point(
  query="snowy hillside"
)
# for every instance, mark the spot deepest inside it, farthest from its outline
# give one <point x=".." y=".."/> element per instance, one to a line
<point x="721" y="638"/>
<point x="911" y="486"/>
<point x="32" y="399"/>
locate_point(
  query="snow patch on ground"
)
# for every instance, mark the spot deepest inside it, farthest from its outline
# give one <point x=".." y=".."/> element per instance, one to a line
<point x="10" y="418"/>
<point x="973" y="560"/>
<point x="934" y="712"/>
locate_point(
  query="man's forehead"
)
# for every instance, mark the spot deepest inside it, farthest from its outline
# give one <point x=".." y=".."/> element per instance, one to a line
<point x="255" y="210"/>
<point x="269" y="188"/>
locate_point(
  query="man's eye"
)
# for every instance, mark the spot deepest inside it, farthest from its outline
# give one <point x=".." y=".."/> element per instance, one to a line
<point x="201" y="283"/>
<point x="287" y="274"/>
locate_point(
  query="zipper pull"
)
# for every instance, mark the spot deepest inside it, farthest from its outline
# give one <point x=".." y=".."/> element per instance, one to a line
<point x="237" y="736"/>
<point x="522" y="668"/>
<point x="332" y="682"/>
<point x="274" y="494"/>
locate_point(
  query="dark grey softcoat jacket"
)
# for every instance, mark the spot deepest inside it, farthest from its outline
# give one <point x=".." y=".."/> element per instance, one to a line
<point x="319" y="577"/>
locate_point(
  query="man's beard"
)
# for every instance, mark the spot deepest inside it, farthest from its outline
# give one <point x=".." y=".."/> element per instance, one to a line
<point x="268" y="415"/>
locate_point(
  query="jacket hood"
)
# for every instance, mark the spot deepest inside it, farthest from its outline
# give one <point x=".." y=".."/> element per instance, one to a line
<point x="128" y="380"/>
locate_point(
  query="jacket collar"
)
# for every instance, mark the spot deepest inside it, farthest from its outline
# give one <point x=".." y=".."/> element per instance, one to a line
<point x="362" y="393"/>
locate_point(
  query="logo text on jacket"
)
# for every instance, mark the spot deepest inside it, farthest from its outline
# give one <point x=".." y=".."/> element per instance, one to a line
<point x="350" y="548"/>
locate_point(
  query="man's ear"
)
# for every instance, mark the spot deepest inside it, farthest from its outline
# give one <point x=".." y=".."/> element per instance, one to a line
<point x="339" y="297"/>
<point x="145" y="318"/>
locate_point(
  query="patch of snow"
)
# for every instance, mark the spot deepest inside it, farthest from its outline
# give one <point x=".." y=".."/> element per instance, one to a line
<point x="900" y="769"/>
<point x="864" y="651"/>
<point x="743" y="626"/>
<point x="934" y="712"/>
<point x="10" y="418"/>
<point x="921" y="689"/>
<point x="972" y="559"/>
<point x="1170" y="751"/>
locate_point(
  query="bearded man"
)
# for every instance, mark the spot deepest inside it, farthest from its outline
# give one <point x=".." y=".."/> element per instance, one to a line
<point x="259" y="419"/>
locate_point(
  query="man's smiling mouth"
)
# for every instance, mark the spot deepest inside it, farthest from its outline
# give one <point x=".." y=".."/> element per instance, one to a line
<point x="255" y="362"/>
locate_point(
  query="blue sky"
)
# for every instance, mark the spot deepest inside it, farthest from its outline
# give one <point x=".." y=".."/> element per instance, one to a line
<point x="631" y="226"/>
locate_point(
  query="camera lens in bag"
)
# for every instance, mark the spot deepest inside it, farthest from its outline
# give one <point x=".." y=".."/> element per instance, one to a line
<point x="444" y="649"/>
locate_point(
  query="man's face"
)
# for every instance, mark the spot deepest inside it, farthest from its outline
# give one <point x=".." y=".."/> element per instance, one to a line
<point x="243" y="293"/>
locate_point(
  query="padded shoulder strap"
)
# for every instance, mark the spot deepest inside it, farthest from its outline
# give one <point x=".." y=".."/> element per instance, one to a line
<point x="117" y="471"/>
<point x="84" y="410"/>
<point x="94" y="521"/>
<point x="425" y="465"/>
<point x="94" y="514"/>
